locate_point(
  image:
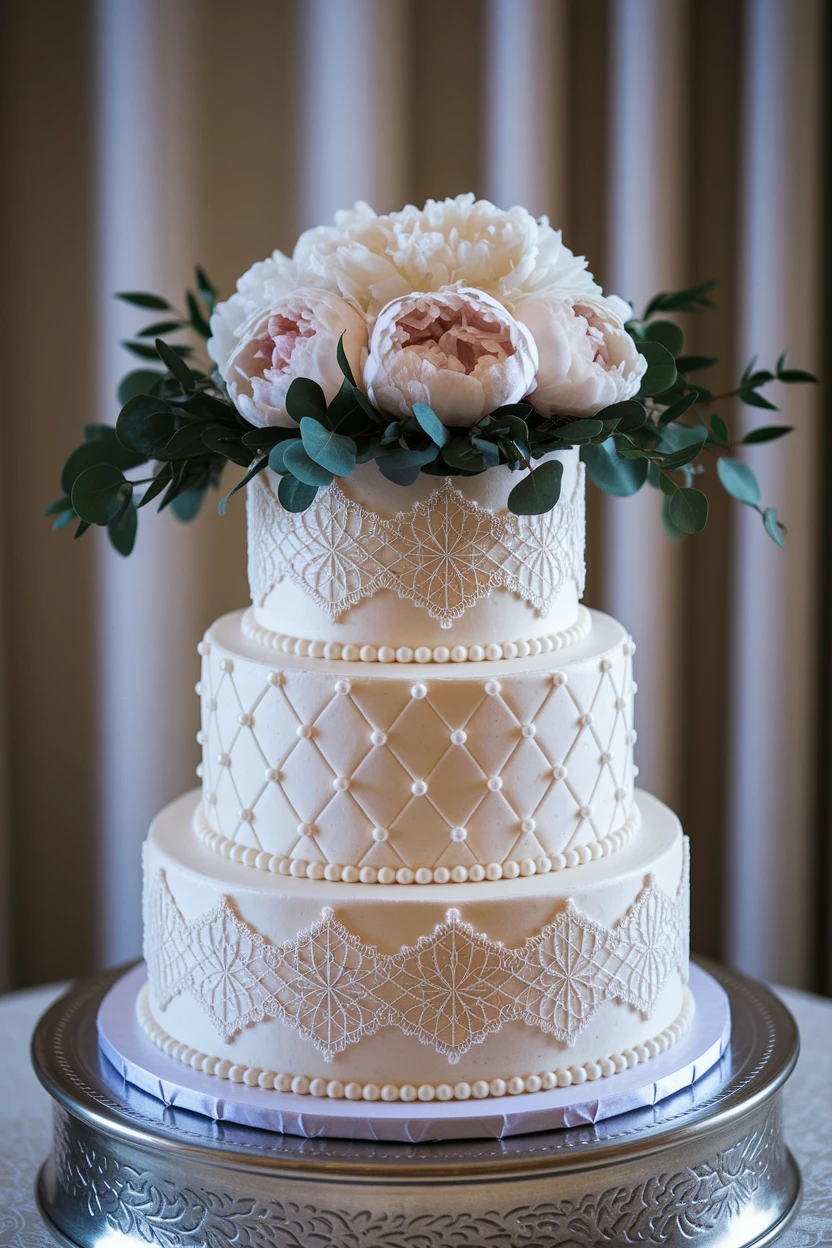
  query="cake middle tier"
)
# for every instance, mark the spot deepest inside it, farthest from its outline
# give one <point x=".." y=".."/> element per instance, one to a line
<point x="421" y="773"/>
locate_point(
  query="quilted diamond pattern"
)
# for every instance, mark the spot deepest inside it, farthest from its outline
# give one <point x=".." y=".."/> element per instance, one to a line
<point x="391" y="770"/>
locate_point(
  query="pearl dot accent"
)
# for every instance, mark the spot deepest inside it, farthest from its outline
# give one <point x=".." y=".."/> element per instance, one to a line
<point x="605" y="664"/>
<point x="335" y="1089"/>
<point x="559" y="772"/>
<point x="492" y="687"/>
<point x="224" y="760"/>
<point x="559" y="679"/>
<point x="245" y="720"/>
<point x="349" y="873"/>
<point x="378" y="737"/>
<point x="418" y="788"/>
<point x="226" y="665"/>
<point x="419" y="691"/>
<point x="495" y="784"/>
<point x="585" y="720"/>
<point x="458" y="737"/>
<point x="305" y="730"/>
<point x="275" y="679"/>
<point x="341" y="784"/>
<point x="342" y="686"/>
<point x="529" y="730"/>
<point x="352" y="652"/>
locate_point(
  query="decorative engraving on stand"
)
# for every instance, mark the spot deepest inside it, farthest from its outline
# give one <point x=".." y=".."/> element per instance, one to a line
<point x="690" y="1202"/>
<point x="451" y="989"/>
<point x="444" y="554"/>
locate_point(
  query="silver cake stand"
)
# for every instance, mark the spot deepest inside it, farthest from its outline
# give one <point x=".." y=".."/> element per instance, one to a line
<point x="705" y="1167"/>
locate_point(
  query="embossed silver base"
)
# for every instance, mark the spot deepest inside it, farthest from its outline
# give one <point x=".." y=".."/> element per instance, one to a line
<point x="708" y="1166"/>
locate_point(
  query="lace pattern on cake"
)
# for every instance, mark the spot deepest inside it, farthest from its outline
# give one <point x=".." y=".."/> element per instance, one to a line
<point x="451" y="989"/>
<point x="444" y="554"/>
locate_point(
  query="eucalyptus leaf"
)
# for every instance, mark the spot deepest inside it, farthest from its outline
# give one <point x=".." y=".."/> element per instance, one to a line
<point x="790" y="375"/>
<point x="668" y="333"/>
<point x="250" y="475"/>
<point x="331" y="450"/>
<point x="772" y="526"/>
<point x="158" y="328"/>
<point x="399" y="476"/>
<point x="753" y="399"/>
<point x="661" y="369"/>
<point x="461" y="453"/>
<point x="690" y="300"/>
<point x="538" y="491"/>
<point x="198" y="321"/>
<point x="306" y="398"/>
<point x="739" y="481"/>
<point x="629" y="415"/>
<point x="766" y="433"/>
<point x="186" y="506"/>
<point x="670" y="527"/>
<point x="695" y="363"/>
<point x="610" y="472"/>
<point x="103" y="450"/>
<point x="139" y="299"/>
<point x="489" y="451"/>
<point x="404" y="457"/>
<point x="55" y="509"/>
<point x="142" y="431"/>
<point x="677" y="409"/>
<point x="301" y="465"/>
<point x="160" y="482"/>
<point x="689" y="510"/>
<point x="577" y="431"/>
<point x="122" y="530"/>
<point x="175" y="365"/>
<point x="431" y="424"/>
<point x="719" y="431"/>
<point x="343" y="362"/>
<point x="206" y="288"/>
<point x="98" y="493"/>
<point x="63" y="520"/>
<point x="295" y="495"/>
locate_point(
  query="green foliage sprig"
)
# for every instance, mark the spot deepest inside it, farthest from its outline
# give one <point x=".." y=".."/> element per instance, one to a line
<point x="179" y="423"/>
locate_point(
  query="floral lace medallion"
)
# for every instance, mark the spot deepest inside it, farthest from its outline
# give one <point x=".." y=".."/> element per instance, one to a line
<point x="451" y="989"/>
<point x="444" y="554"/>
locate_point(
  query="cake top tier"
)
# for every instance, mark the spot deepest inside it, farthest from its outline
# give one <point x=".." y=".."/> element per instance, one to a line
<point x="442" y="562"/>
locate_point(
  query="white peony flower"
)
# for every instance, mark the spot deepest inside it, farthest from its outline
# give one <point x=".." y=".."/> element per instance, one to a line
<point x="263" y="285"/>
<point x="457" y="349"/>
<point x="295" y="336"/>
<point x="374" y="259"/>
<point x="587" y="358"/>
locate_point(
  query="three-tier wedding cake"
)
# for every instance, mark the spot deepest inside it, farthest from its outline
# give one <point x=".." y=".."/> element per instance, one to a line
<point x="418" y="866"/>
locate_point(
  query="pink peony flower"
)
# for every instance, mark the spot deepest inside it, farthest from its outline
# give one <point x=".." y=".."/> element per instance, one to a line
<point x="587" y="358"/>
<point x="457" y="349"/>
<point x="295" y="337"/>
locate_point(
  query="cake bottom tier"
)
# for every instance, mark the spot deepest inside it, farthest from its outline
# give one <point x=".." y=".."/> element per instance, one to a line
<point x="401" y="991"/>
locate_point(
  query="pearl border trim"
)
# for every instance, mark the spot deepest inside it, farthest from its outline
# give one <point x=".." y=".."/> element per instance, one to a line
<point x="353" y="652"/>
<point x="336" y="1089"/>
<point x="349" y="873"/>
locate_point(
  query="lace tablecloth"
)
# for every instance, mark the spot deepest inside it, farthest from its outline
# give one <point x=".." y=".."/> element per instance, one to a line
<point x="25" y="1114"/>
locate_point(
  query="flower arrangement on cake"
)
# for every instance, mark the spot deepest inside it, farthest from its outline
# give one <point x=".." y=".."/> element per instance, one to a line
<point x="445" y="340"/>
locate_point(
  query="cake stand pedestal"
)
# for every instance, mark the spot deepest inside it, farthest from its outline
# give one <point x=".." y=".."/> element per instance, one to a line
<point x="707" y="1166"/>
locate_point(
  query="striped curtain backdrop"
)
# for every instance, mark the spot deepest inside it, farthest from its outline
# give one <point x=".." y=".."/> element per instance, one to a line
<point x="673" y="140"/>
